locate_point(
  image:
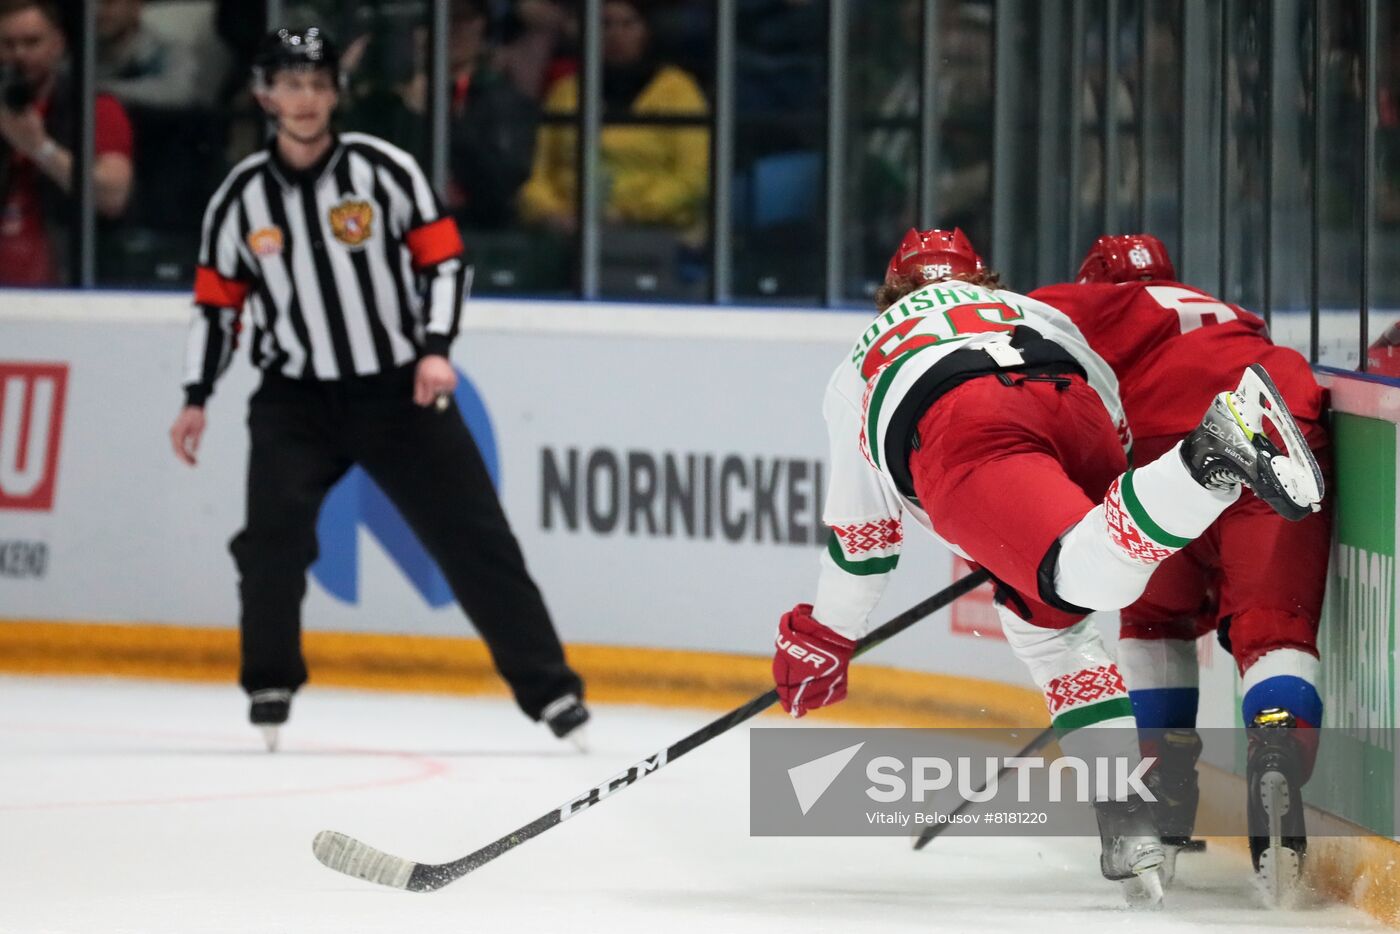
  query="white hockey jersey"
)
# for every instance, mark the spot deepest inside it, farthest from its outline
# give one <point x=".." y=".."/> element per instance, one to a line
<point x="894" y="361"/>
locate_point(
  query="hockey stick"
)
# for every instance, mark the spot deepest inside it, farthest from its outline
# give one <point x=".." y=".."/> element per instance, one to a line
<point x="347" y="855"/>
<point x="1041" y="740"/>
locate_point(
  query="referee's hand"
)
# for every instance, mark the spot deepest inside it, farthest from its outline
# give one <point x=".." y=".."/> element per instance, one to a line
<point x="186" y="432"/>
<point x="435" y="380"/>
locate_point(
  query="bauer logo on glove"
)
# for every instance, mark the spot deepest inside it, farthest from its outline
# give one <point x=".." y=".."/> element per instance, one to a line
<point x="809" y="667"/>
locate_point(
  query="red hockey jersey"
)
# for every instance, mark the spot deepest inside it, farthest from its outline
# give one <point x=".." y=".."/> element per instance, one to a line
<point x="1174" y="347"/>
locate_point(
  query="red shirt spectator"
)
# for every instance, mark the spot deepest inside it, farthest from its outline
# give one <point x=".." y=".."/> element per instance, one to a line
<point x="38" y="131"/>
<point x="27" y="257"/>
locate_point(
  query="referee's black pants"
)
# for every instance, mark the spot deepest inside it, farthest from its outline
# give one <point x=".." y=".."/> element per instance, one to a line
<point x="305" y="435"/>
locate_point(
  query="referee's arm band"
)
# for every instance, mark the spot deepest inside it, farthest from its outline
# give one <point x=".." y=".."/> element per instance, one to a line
<point x="210" y="288"/>
<point x="434" y="242"/>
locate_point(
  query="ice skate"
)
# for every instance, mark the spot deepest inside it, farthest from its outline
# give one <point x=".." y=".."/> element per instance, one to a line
<point x="1132" y="852"/>
<point x="566" y="717"/>
<point x="1278" y="837"/>
<point x="1173" y="782"/>
<point x="1230" y="447"/>
<point x="268" y="710"/>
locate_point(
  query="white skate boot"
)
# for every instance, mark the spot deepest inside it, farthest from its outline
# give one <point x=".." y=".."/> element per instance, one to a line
<point x="1230" y="447"/>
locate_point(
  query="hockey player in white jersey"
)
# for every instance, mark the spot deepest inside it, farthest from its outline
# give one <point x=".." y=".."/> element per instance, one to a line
<point x="985" y="417"/>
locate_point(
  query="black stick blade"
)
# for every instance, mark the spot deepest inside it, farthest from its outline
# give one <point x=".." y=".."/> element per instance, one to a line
<point x="347" y="855"/>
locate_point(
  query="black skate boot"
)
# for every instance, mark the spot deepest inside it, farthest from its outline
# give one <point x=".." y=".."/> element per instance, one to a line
<point x="1173" y="782"/>
<point x="1132" y="852"/>
<point x="1230" y="447"/>
<point x="1278" y="835"/>
<point x="566" y="717"/>
<point x="268" y="709"/>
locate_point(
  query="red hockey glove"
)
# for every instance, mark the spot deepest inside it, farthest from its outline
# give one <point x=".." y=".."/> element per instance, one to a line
<point x="809" y="667"/>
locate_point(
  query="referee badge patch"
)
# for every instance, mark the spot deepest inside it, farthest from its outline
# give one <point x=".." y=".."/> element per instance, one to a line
<point x="265" y="241"/>
<point x="352" y="222"/>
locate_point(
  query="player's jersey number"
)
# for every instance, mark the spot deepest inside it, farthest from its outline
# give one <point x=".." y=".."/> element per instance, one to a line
<point x="960" y="321"/>
<point x="1192" y="308"/>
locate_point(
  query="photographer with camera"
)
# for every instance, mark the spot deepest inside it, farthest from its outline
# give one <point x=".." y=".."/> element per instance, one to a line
<point x="37" y="133"/>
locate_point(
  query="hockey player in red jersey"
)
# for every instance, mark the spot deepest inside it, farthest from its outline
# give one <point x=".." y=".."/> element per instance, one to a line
<point x="1173" y="347"/>
<point x="985" y="417"/>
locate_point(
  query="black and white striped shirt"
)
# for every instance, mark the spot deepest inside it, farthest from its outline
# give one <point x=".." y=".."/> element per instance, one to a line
<point x="348" y="268"/>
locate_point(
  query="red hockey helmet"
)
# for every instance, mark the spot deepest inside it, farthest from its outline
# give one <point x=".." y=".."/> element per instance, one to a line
<point x="926" y="256"/>
<point x="1127" y="258"/>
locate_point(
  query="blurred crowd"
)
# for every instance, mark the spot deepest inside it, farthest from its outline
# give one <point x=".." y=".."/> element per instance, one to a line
<point x="173" y="113"/>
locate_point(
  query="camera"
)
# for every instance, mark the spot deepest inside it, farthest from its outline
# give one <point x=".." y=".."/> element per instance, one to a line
<point x="16" y="93"/>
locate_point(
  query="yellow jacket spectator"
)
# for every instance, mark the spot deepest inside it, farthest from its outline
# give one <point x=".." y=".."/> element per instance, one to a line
<point x="651" y="174"/>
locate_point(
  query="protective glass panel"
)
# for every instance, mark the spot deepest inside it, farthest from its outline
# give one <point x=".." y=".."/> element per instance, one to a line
<point x="779" y="205"/>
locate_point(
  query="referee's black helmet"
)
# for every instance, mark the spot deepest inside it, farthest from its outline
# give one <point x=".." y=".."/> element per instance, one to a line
<point x="308" y="48"/>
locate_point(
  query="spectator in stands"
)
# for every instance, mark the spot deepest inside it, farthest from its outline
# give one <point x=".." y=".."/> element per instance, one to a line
<point x="492" y="124"/>
<point x="654" y="175"/>
<point x="141" y="67"/>
<point x="37" y="134"/>
<point x="541" y="45"/>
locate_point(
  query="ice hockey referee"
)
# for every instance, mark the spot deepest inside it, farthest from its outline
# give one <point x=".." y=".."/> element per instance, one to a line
<point x="354" y="282"/>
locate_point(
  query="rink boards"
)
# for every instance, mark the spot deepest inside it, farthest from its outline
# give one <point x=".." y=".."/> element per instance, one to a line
<point x="663" y="469"/>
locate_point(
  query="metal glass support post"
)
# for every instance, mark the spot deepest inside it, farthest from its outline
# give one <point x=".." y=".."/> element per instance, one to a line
<point x="1109" y="114"/>
<point x="82" y="248"/>
<point x="1049" y="181"/>
<point x="835" y="150"/>
<point x="1266" y="51"/>
<point x="1223" y="167"/>
<point x="1319" y="83"/>
<point x="1076" y="121"/>
<point x="722" y="156"/>
<point x="274" y="14"/>
<point x="1006" y="79"/>
<point x="1144" y="122"/>
<point x="439" y="22"/>
<point x="1370" y="103"/>
<point x="589" y="134"/>
<point x="929" y="125"/>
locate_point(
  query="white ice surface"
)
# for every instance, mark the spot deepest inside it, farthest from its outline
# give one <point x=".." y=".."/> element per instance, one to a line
<point x="151" y="809"/>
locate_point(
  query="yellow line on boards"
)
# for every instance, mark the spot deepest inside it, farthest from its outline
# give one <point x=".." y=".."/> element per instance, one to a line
<point x="453" y="665"/>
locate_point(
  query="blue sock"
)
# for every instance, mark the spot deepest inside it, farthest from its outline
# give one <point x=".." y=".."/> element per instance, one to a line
<point x="1165" y="708"/>
<point x="1296" y="695"/>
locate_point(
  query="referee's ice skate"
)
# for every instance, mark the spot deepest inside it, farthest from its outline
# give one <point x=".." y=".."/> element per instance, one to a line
<point x="268" y="709"/>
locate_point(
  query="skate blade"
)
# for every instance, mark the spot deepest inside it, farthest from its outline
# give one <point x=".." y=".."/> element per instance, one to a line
<point x="1280" y="867"/>
<point x="270" y="736"/>
<point x="1145" y="891"/>
<point x="578" y="738"/>
<point x="1257" y="399"/>
<point x="1279" y="879"/>
<point x="1168" y="868"/>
